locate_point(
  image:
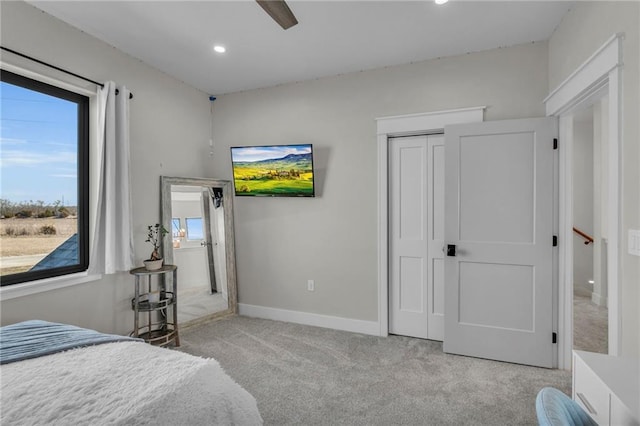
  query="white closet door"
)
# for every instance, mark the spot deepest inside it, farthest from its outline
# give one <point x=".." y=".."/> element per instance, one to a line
<point x="435" y="229"/>
<point x="416" y="294"/>
<point x="499" y="217"/>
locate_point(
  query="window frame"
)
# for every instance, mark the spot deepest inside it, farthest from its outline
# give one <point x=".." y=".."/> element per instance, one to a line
<point x="83" y="184"/>
<point x="173" y="230"/>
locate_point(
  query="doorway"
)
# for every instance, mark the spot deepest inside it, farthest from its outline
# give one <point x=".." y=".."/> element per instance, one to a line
<point x="598" y="77"/>
<point x="590" y="313"/>
<point x="397" y="126"/>
<point x="516" y="281"/>
<point x="416" y="226"/>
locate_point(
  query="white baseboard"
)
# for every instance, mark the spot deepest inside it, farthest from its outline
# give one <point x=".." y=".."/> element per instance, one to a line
<point x="317" y="320"/>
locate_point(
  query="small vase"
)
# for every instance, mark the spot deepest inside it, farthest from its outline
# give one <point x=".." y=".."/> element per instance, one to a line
<point x="153" y="265"/>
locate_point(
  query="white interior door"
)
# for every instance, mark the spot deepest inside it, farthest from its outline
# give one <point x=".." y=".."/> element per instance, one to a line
<point x="416" y="219"/>
<point x="499" y="219"/>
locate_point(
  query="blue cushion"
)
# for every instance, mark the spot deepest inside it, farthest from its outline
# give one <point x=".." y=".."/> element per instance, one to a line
<point x="554" y="408"/>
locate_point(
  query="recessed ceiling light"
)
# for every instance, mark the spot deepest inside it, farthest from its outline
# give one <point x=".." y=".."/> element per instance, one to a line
<point x="441" y="1"/>
<point x="220" y="49"/>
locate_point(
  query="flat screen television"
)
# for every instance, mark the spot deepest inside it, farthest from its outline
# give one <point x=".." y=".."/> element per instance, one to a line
<point x="273" y="170"/>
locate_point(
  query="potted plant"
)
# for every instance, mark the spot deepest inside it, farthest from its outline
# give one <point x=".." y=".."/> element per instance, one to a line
<point x="154" y="236"/>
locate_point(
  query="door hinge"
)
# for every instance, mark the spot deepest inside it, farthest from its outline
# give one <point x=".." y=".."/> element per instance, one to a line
<point x="555" y="241"/>
<point x="555" y="143"/>
<point x="554" y="337"/>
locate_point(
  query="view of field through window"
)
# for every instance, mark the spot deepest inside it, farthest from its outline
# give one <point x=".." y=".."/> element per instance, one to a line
<point x="38" y="180"/>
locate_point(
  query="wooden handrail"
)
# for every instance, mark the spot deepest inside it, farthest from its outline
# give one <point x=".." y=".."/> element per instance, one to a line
<point x="588" y="239"/>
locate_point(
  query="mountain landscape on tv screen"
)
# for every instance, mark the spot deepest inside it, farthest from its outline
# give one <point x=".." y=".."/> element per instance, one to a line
<point x="291" y="175"/>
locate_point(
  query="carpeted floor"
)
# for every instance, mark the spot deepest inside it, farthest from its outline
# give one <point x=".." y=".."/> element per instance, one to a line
<point x="197" y="303"/>
<point x="303" y="375"/>
<point x="590" y="326"/>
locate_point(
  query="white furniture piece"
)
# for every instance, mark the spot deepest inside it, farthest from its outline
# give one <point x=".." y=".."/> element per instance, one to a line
<point x="607" y="387"/>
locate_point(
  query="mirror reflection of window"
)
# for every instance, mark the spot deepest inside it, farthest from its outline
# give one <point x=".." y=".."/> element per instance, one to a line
<point x="175" y="225"/>
<point x="195" y="231"/>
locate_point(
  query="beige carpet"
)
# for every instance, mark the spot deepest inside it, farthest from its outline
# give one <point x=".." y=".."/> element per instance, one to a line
<point x="590" y="326"/>
<point x="303" y="375"/>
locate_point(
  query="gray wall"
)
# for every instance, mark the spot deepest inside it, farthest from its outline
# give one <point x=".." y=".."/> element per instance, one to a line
<point x="585" y="28"/>
<point x="169" y="136"/>
<point x="283" y="242"/>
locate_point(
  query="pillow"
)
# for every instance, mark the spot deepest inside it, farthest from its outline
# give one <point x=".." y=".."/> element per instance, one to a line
<point x="554" y="408"/>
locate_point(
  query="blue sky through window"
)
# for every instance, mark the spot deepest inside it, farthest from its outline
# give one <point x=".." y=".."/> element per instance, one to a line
<point x="38" y="146"/>
<point x="194" y="228"/>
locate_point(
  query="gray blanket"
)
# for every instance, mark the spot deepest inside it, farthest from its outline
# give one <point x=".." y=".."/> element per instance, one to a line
<point x="35" y="338"/>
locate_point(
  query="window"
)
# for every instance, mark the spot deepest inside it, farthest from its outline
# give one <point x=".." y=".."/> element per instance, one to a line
<point x="175" y="227"/>
<point x="44" y="168"/>
<point x="194" y="228"/>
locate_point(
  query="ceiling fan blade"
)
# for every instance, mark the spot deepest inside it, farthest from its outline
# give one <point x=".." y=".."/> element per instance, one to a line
<point x="279" y="11"/>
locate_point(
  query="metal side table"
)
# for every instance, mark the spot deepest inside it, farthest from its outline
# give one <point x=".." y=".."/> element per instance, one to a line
<point x="155" y="303"/>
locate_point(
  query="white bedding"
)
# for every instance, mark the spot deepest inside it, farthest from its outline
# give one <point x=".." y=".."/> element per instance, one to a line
<point x="123" y="383"/>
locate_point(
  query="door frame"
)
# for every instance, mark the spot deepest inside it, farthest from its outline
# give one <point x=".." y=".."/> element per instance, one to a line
<point x="394" y="126"/>
<point x="208" y="237"/>
<point x="598" y="76"/>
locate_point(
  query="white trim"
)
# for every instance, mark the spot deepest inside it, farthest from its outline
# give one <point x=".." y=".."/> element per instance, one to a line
<point x="565" y="257"/>
<point x="429" y="121"/>
<point x="48" y="80"/>
<point x="383" y="235"/>
<point x="587" y="76"/>
<point x="40" y="286"/>
<point x="614" y="229"/>
<point x="394" y="126"/>
<point x="598" y="76"/>
<point x="306" y="318"/>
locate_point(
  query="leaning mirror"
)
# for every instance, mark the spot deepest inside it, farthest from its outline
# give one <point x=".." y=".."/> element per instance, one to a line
<point x="198" y="213"/>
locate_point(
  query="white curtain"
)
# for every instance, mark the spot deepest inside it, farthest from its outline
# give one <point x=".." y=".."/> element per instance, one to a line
<point x="112" y="246"/>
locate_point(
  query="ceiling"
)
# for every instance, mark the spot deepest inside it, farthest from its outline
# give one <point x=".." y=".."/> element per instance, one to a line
<point x="332" y="37"/>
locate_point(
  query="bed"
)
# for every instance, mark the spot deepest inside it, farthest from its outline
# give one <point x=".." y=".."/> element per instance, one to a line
<point x="65" y="375"/>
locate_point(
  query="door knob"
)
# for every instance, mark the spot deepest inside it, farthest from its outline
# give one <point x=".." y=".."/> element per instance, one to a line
<point x="451" y="250"/>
